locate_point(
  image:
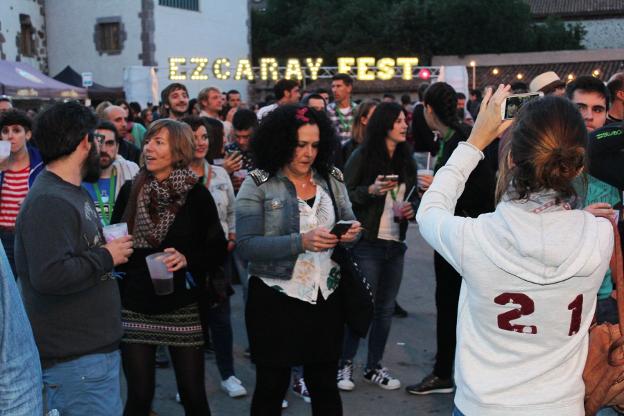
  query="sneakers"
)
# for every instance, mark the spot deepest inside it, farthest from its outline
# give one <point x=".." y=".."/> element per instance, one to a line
<point x="381" y="376"/>
<point x="233" y="387"/>
<point x="345" y="376"/>
<point x="284" y="404"/>
<point x="300" y="389"/>
<point x="432" y="384"/>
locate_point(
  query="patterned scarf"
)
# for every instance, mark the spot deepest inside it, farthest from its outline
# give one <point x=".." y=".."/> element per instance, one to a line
<point x="157" y="206"/>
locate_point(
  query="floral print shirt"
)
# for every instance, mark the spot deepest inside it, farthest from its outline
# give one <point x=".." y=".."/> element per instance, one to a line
<point x="314" y="271"/>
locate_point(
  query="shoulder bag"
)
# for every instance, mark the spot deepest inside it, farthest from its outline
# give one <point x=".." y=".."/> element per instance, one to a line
<point x="604" y="368"/>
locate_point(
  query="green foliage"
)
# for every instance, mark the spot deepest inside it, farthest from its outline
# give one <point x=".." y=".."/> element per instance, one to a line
<point x="330" y="28"/>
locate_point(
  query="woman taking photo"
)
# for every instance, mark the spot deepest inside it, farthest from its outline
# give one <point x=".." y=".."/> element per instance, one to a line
<point x="167" y="210"/>
<point x="531" y="270"/>
<point x="284" y="213"/>
<point x="440" y="113"/>
<point x="380" y="176"/>
<point x="215" y="309"/>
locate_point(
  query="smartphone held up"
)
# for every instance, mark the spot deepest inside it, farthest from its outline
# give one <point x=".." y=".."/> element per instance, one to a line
<point x="514" y="103"/>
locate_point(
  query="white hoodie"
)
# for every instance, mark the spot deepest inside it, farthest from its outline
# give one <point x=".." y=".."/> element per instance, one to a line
<point x="530" y="279"/>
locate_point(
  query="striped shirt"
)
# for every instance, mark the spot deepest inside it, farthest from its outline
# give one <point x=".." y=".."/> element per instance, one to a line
<point x="14" y="190"/>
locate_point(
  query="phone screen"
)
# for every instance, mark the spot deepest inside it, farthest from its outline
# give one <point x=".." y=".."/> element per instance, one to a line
<point x="514" y="103"/>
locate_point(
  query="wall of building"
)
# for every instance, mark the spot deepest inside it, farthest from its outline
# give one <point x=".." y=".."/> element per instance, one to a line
<point x="219" y="29"/>
<point x="604" y="33"/>
<point x="71" y="37"/>
<point x="10" y="32"/>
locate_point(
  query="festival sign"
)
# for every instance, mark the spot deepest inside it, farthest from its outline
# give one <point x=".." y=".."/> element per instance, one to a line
<point x="269" y="69"/>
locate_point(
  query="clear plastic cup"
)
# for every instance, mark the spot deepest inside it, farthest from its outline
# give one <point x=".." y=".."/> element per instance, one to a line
<point x="241" y="173"/>
<point x="115" y="231"/>
<point x="5" y="149"/>
<point x="162" y="279"/>
<point x="397" y="210"/>
<point x="421" y="173"/>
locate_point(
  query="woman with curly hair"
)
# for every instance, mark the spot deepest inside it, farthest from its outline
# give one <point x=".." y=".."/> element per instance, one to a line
<point x="168" y="210"/>
<point x="285" y="210"/>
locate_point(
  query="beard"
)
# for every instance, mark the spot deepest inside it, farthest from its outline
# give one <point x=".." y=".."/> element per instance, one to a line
<point x="108" y="160"/>
<point x="91" y="166"/>
<point x="178" y="114"/>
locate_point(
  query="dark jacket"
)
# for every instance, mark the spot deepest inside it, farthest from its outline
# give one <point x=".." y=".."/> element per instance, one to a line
<point x="369" y="208"/>
<point x="478" y="196"/>
<point x="606" y="154"/>
<point x="196" y="232"/>
<point x="129" y="151"/>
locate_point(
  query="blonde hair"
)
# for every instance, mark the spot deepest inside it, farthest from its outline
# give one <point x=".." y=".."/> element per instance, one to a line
<point x="181" y="140"/>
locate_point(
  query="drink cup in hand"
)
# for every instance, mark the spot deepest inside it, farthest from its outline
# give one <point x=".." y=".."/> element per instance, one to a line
<point x="397" y="210"/>
<point x="115" y="231"/>
<point x="162" y="279"/>
<point x="421" y="173"/>
<point x="5" y="150"/>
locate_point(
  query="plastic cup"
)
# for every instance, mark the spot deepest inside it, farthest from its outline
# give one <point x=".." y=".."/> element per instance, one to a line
<point x="421" y="173"/>
<point x="162" y="279"/>
<point x="115" y="231"/>
<point x="397" y="210"/>
<point x="5" y="149"/>
<point x="241" y="173"/>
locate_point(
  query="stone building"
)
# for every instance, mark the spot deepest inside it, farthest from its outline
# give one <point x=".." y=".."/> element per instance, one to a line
<point x="23" y="35"/>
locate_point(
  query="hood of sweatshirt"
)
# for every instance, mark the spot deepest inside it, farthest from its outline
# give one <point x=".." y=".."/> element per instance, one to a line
<point x="540" y="245"/>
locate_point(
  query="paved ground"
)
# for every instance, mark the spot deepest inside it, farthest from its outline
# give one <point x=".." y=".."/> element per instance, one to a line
<point x="409" y="354"/>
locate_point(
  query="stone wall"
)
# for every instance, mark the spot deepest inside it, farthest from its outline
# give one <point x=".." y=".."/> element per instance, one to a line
<point x="14" y="14"/>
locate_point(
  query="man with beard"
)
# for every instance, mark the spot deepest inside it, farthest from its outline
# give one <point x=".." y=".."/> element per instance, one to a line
<point x="176" y="100"/>
<point x="117" y="115"/>
<point x="115" y="171"/>
<point x="66" y="268"/>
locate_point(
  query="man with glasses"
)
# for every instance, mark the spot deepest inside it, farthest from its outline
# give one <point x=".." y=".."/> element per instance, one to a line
<point x="115" y="171"/>
<point x="65" y="267"/>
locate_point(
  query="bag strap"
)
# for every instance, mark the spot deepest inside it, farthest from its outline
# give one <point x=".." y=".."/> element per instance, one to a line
<point x="617" y="273"/>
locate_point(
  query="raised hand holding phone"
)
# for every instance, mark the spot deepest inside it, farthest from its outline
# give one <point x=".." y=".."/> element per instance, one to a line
<point x="489" y="125"/>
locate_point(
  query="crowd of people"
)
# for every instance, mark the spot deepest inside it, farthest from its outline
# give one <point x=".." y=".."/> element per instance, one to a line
<point x="218" y="191"/>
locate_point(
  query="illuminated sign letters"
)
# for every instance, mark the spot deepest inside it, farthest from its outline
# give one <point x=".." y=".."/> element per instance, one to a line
<point x="363" y="68"/>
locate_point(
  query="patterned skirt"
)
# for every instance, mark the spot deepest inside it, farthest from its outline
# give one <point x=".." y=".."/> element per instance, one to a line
<point x="179" y="328"/>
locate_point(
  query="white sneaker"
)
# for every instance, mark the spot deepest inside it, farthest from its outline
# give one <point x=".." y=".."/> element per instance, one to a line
<point x="345" y="376"/>
<point x="382" y="377"/>
<point x="284" y="404"/>
<point x="233" y="387"/>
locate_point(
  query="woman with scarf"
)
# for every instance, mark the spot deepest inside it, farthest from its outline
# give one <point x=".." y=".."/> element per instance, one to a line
<point x="167" y="209"/>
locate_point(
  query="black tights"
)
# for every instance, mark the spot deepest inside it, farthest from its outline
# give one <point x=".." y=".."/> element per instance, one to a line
<point x="139" y="369"/>
<point x="272" y="384"/>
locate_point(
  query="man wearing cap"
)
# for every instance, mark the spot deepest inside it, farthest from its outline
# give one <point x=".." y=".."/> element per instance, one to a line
<point x="549" y="83"/>
<point x="616" y="94"/>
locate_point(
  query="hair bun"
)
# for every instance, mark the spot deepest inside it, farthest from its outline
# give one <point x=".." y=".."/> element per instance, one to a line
<point x="562" y="165"/>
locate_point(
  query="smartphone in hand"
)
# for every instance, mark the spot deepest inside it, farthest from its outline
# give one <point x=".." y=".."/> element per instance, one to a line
<point x="341" y="227"/>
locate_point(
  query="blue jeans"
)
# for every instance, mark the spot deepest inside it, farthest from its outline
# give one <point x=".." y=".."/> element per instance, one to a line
<point x="20" y="380"/>
<point x="220" y="326"/>
<point x="457" y="412"/>
<point x="88" y="385"/>
<point x="381" y="262"/>
<point x="241" y="270"/>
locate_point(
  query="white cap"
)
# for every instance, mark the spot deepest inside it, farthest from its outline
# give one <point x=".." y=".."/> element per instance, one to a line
<point x="544" y="80"/>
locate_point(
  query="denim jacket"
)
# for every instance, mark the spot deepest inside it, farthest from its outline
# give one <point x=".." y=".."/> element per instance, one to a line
<point x="267" y="220"/>
<point x="20" y="368"/>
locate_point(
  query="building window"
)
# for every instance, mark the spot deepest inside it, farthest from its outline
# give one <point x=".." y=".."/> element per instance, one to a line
<point x="109" y="35"/>
<point x="181" y="4"/>
<point x="27" y="36"/>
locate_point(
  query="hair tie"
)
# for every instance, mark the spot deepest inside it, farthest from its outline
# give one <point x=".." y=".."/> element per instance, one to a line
<point x="301" y="115"/>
